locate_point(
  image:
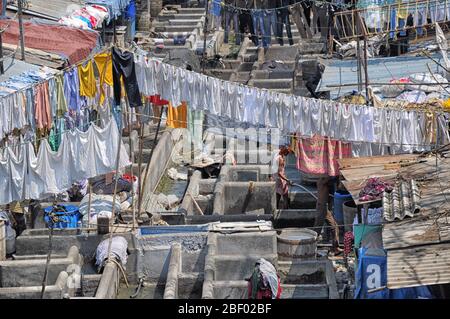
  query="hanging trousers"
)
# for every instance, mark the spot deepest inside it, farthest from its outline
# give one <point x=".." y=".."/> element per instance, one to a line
<point x="246" y="25"/>
<point x="283" y="20"/>
<point x="321" y="20"/>
<point x="232" y="14"/>
<point x="123" y="65"/>
<point x="261" y="25"/>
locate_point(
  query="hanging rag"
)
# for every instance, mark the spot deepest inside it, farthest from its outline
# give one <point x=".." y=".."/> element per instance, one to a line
<point x="42" y="101"/>
<point x="104" y="66"/>
<point x="177" y="116"/>
<point x="86" y="76"/>
<point x="123" y="66"/>
<point x="319" y="155"/>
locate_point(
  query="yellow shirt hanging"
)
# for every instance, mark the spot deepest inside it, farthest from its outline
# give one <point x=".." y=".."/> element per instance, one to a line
<point x="104" y="67"/>
<point x="86" y="75"/>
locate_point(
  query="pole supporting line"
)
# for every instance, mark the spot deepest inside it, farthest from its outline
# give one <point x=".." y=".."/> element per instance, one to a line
<point x="151" y="155"/>
<point x="21" y="30"/>
<point x="205" y="34"/>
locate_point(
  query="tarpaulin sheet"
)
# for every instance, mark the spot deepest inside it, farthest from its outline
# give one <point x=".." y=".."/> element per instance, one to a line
<point x="371" y="280"/>
<point x="73" y="44"/>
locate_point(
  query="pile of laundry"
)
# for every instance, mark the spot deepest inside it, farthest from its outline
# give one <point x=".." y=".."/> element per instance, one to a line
<point x="374" y="189"/>
<point x="373" y="47"/>
<point x="417" y="91"/>
<point x="89" y="17"/>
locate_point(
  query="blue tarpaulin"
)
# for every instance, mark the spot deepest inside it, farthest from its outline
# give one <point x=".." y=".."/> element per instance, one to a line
<point x="371" y="274"/>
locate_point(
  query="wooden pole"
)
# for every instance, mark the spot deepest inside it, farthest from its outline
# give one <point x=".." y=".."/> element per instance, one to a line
<point x="89" y="205"/>
<point x="132" y="158"/>
<point x="2" y="69"/>
<point x="205" y="34"/>
<point x="151" y="154"/>
<point x="141" y="146"/>
<point x="21" y="30"/>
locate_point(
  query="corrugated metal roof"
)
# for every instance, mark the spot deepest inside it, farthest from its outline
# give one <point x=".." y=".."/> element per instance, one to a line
<point x="380" y="70"/>
<point x="15" y="67"/>
<point x="418" y="266"/>
<point x="402" y="201"/>
<point x="53" y="9"/>
<point x="415" y="233"/>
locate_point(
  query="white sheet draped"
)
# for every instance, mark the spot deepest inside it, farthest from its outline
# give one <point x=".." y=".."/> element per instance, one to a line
<point x="81" y="155"/>
<point x="306" y="116"/>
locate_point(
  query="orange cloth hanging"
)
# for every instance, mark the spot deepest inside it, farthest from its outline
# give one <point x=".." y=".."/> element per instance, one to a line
<point x="177" y="116"/>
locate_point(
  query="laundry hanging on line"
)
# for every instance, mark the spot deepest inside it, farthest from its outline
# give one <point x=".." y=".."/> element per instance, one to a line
<point x="408" y="130"/>
<point x="27" y="175"/>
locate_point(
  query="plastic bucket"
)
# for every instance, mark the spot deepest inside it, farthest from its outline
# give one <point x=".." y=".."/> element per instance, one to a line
<point x="340" y="197"/>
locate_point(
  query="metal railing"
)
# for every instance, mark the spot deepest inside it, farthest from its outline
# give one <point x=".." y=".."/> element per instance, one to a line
<point x="391" y="19"/>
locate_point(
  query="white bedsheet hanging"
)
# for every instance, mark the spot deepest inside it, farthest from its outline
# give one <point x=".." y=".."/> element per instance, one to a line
<point x="307" y="116"/>
<point x="81" y="155"/>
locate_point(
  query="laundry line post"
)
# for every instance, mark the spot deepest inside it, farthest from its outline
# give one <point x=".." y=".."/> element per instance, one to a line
<point x="21" y="31"/>
<point x="205" y="34"/>
<point x="2" y="70"/>
<point x="155" y="141"/>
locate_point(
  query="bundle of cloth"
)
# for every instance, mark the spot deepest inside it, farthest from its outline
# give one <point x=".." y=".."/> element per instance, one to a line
<point x="88" y="17"/>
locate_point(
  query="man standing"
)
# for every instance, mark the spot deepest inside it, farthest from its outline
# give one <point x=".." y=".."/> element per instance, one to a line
<point x="279" y="175"/>
<point x="324" y="216"/>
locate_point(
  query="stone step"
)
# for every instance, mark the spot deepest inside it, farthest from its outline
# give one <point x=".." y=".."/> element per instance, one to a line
<point x="184" y="22"/>
<point x="183" y="16"/>
<point x="167" y="49"/>
<point x="231" y="64"/>
<point x="169" y="28"/>
<point x="272" y="83"/>
<point x="191" y="10"/>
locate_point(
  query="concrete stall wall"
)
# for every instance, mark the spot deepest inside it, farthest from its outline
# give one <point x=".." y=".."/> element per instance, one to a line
<point x="55" y="291"/>
<point x="30" y="244"/>
<point x="154" y="254"/>
<point x="109" y="283"/>
<point x="237" y="198"/>
<point x="161" y="157"/>
<point x="245" y="173"/>
<point x="21" y="273"/>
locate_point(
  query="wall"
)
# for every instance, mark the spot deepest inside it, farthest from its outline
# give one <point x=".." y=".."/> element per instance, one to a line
<point x="154" y="253"/>
<point x="55" y="291"/>
<point x="230" y="197"/>
<point x="161" y="157"/>
<point x="20" y="273"/>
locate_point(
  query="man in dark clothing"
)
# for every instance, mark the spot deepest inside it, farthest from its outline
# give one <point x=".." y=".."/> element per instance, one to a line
<point x="325" y="216"/>
<point x="246" y="21"/>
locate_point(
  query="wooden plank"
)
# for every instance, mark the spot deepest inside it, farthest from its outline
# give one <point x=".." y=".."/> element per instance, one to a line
<point x="2" y="240"/>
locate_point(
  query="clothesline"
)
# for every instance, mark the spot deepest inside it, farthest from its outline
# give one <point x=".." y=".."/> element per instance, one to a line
<point x="308" y="2"/>
<point x="290" y="113"/>
<point x="289" y="135"/>
<point x="60" y="72"/>
<point x="81" y="155"/>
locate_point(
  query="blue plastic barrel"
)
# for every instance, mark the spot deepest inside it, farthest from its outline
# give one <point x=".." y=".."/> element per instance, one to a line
<point x="340" y="197"/>
<point x="67" y="219"/>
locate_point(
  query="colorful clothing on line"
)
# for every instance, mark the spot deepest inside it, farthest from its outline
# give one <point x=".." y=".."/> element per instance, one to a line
<point x="42" y="102"/>
<point x="319" y="155"/>
<point x="104" y="66"/>
<point x="88" y="86"/>
<point x="177" y="116"/>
